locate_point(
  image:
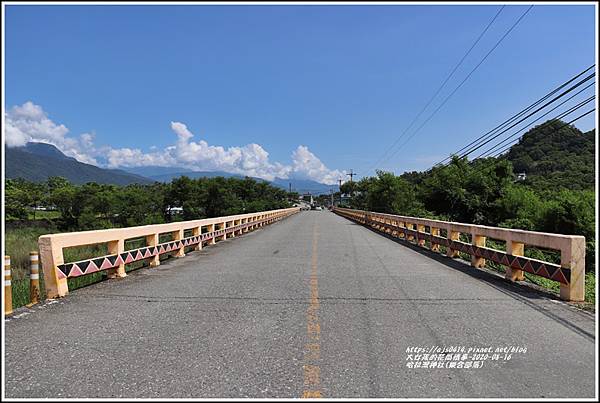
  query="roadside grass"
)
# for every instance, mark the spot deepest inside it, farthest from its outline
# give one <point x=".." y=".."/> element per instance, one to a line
<point x="43" y="215"/>
<point x="37" y="215"/>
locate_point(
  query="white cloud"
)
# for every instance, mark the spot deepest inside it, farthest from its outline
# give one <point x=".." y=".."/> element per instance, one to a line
<point x="29" y="122"/>
<point x="127" y="157"/>
<point x="306" y="165"/>
<point x="182" y="131"/>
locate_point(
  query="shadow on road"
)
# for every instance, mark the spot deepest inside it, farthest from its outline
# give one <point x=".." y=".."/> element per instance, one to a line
<point x="521" y="291"/>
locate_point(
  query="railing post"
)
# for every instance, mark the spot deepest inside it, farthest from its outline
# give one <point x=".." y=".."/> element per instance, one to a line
<point x="420" y="229"/>
<point x="410" y="226"/>
<point x="152" y="240"/>
<point x="401" y="233"/>
<point x="452" y="236"/>
<point x="223" y="226"/>
<point x="213" y="239"/>
<point x="574" y="258"/>
<point x="196" y="232"/>
<point x="116" y="247"/>
<point x="34" y="277"/>
<point x="515" y="249"/>
<point x="477" y="240"/>
<point x="52" y="256"/>
<point x="178" y="236"/>
<point x="435" y="247"/>
<point x="7" y="287"/>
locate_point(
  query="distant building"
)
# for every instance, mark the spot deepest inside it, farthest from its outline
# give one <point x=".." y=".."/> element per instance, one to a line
<point x="175" y="210"/>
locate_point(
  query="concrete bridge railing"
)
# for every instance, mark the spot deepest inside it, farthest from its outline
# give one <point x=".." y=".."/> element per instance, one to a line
<point x="205" y="231"/>
<point x="570" y="273"/>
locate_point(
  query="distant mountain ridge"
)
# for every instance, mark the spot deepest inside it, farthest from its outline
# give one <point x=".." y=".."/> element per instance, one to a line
<point x="37" y="162"/>
<point x="167" y="174"/>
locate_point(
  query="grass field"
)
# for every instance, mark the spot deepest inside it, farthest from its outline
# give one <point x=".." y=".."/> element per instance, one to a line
<point x="39" y="215"/>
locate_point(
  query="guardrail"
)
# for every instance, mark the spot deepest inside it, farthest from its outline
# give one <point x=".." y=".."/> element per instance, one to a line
<point x="570" y="273"/>
<point x="209" y="231"/>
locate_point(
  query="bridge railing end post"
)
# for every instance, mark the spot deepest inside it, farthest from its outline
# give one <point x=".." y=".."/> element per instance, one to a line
<point x="51" y="256"/>
<point x="573" y="258"/>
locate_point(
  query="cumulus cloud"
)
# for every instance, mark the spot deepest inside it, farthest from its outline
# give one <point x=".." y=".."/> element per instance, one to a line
<point x="29" y="122"/>
<point x="306" y="165"/>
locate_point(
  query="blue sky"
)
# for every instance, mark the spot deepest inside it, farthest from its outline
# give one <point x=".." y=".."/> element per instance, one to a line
<point x="342" y="81"/>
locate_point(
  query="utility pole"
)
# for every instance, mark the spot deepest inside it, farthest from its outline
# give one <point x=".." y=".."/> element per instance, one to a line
<point x="331" y="191"/>
<point x="351" y="174"/>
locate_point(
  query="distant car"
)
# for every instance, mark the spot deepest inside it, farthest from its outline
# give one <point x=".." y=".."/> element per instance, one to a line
<point x="319" y="208"/>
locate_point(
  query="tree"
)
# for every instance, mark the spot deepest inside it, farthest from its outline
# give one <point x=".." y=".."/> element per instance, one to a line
<point x="15" y="199"/>
<point x="64" y="197"/>
<point x="392" y="194"/>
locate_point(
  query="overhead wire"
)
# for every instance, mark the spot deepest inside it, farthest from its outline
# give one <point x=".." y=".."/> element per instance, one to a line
<point x="516" y="116"/>
<point x="462" y="82"/>
<point x="589" y="77"/>
<point x="581" y="104"/>
<point x="566" y="124"/>
<point x="440" y="87"/>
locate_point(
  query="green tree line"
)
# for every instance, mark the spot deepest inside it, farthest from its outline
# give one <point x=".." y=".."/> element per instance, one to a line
<point x="482" y="192"/>
<point x="94" y="206"/>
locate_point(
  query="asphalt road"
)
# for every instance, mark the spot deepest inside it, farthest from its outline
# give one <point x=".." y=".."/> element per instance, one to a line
<point x="313" y="305"/>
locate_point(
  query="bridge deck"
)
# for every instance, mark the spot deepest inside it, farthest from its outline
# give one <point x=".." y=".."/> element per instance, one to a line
<point x="237" y="320"/>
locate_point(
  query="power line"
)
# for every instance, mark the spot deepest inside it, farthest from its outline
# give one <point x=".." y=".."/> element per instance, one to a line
<point x="463" y="81"/>
<point x="562" y="126"/>
<point x="440" y="87"/>
<point x="530" y="114"/>
<point x="572" y="109"/>
<point x="566" y="124"/>
<point x="516" y="116"/>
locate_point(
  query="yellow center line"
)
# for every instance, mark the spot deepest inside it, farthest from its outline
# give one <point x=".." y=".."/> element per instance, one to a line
<point x="312" y="349"/>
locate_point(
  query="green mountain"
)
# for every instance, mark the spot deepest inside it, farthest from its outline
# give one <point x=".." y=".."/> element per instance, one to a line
<point x="36" y="162"/>
<point x="554" y="155"/>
